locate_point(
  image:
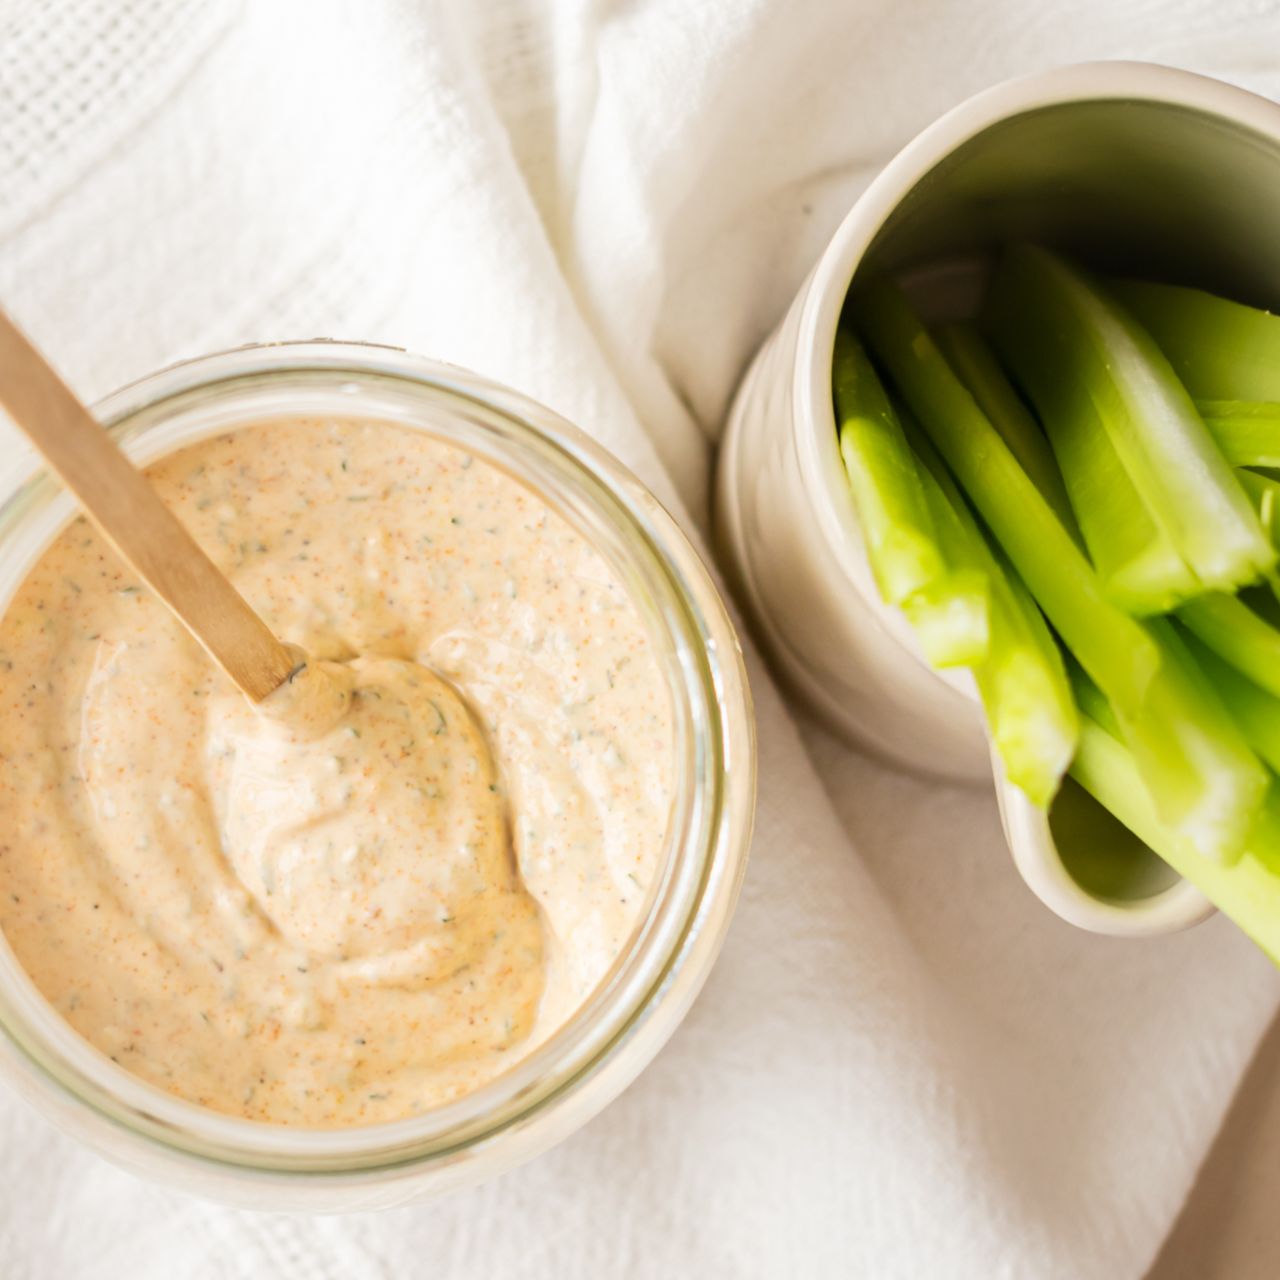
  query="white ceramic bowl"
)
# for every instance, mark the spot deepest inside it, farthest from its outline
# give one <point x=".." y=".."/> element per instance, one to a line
<point x="1127" y="165"/>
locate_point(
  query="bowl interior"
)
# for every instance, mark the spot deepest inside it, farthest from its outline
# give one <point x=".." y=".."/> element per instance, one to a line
<point x="1140" y="187"/>
<point x="1160" y="189"/>
<point x="1100" y="854"/>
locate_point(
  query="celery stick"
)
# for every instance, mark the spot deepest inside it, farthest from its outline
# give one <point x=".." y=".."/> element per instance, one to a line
<point x="1256" y="711"/>
<point x="1264" y="836"/>
<point x="950" y="619"/>
<point x="1247" y="432"/>
<point x="976" y="366"/>
<point x="1220" y="350"/>
<point x="1202" y="775"/>
<point x="1093" y="703"/>
<point x="1264" y="493"/>
<point x="901" y="544"/>
<point x="1137" y="561"/>
<point x="1030" y="715"/>
<point x="1084" y="357"/>
<point x="1267" y="411"/>
<point x="1195" y="760"/>
<point x="1140" y="567"/>
<point x="1030" y="712"/>
<point x="947" y="611"/>
<point x="1115" y="649"/>
<point x="1247" y="891"/>
<point x="1238" y="635"/>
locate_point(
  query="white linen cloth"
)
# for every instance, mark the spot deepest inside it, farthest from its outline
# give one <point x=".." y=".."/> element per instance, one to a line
<point x="902" y="1065"/>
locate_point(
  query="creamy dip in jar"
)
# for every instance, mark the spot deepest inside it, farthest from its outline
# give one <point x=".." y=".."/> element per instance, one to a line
<point x="354" y="921"/>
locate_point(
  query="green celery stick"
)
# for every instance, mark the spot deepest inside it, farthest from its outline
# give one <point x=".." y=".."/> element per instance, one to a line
<point x="1030" y="712"/>
<point x="1220" y="350"/>
<point x="1264" y="493"/>
<point x="1114" y="648"/>
<point x="947" y="611"/>
<point x="1091" y="369"/>
<point x="1232" y="695"/>
<point x="951" y="620"/>
<point x="1030" y="715"/>
<point x="1203" y="777"/>
<point x="1092" y="702"/>
<point x="1264" y="838"/>
<point x="1248" y="891"/>
<point x="975" y="365"/>
<point x="1139" y="564"/>
<point x="1256" y="711"/>
<point x="1238" y="635"/>
<point x="1247" y="431"/>
<point x="1258" y="410"/>
<point x="901" y="543"/>
<point x="1201" y="772"/>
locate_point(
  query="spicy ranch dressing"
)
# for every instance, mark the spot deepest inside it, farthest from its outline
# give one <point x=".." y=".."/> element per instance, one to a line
<point x="384" y="886"/>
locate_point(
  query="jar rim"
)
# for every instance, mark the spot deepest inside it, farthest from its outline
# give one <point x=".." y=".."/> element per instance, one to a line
<point x="578" y="1068"/>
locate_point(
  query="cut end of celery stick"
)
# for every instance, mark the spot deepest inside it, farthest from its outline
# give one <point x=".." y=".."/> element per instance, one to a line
<point x="1221" y="350"/>
<point x="975" y="365"/>
<point x="903" y="555"/>
<point x="1115" y="649"/>
<point x="1248" y="892"/>
<point x="1031" y="716"/>
<point x="1033" y="730"/>
<point x="1091" y="358"/>
<point x="900" y="540"/>
<point x="951" y="620"/>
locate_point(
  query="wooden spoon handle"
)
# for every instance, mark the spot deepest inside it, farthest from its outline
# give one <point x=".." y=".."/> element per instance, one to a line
<point x="118" y="499"/>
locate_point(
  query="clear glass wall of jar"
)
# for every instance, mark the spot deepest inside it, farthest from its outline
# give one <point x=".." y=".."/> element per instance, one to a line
<point x="608" y="1041"/>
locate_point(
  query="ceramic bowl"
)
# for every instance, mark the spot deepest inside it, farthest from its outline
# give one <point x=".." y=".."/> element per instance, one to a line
<point x="1128" y="166"/>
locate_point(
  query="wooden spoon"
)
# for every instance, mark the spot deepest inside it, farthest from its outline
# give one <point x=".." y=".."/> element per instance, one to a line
<point x="148" y="536"/>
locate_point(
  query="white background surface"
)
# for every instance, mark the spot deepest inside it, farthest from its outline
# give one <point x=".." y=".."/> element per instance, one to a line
<point x="902" y="1065"/>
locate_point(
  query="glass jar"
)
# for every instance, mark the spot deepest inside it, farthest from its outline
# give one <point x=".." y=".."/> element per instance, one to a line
<point x="623" y="1024"/>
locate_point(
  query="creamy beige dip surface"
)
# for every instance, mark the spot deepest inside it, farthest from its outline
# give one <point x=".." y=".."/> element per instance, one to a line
<point x="332" y="921"/>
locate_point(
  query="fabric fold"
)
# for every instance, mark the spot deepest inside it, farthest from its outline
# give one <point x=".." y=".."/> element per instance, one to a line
<point x="902" y="1064"/>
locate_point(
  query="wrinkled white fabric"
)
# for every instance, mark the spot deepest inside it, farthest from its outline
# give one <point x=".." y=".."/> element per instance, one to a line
<point x="902" y="1065"/>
